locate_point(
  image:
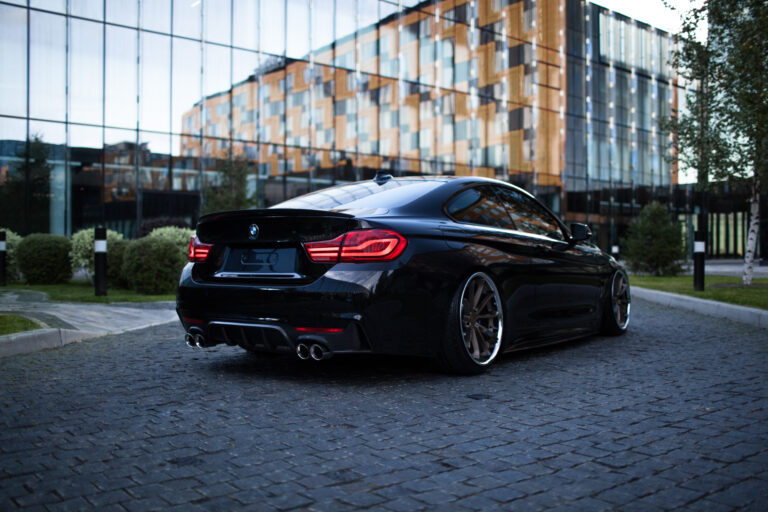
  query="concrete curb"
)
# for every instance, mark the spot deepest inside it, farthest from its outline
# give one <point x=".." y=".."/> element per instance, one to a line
<point x="41" y="339"/>
<point x="743" y="314"/>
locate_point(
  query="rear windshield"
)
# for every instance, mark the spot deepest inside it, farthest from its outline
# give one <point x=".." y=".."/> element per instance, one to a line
<point x="364" y="195"/>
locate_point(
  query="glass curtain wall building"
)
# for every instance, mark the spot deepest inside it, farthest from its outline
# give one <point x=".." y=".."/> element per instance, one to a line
<point x="115" y="112"/>
<point x="621" y="85"/>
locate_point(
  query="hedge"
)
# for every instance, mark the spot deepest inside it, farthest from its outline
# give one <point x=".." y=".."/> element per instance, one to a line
<point x="152" y="265"/>
<point x="44" y="258"/>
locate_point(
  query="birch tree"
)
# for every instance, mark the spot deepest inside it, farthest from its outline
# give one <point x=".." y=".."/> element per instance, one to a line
<point x="724" y="133"/>
<point x="738" y="30"/>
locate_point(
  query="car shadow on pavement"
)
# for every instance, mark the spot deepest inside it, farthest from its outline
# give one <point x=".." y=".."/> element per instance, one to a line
<point x="359" y="368"/>
<point x="340" y="368"/>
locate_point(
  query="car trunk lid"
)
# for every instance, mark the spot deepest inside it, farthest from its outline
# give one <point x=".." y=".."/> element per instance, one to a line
<point x="267" y="245"/>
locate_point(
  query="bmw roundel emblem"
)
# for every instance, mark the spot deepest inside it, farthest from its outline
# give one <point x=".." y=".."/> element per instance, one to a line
<point x="253" y="231"/>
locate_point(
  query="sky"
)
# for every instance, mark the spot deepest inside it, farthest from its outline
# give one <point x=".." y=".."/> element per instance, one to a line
<point x="652" y="12"/>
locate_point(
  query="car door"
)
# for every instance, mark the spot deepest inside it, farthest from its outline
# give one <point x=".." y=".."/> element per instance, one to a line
<point x="567" y="275"/>
<point x="481" y="230"/>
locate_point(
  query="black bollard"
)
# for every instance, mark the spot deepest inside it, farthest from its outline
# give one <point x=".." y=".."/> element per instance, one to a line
<point x="699" y="253"/>
<point x="100" y="261"/>
<point x="2" y="258"/>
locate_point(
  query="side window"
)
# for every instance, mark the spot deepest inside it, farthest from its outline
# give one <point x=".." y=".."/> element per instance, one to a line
<point x="529" y="216"/>
<point x="480" y="205"/>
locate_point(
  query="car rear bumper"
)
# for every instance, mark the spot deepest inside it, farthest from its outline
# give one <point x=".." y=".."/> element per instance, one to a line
<point x="345" y="311"/>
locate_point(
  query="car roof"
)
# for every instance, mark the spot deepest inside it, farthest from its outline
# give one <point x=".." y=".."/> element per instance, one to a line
<point x="414" y="195"/>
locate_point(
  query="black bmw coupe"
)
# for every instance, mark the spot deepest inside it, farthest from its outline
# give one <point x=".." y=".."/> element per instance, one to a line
<point x="457" y="269"/>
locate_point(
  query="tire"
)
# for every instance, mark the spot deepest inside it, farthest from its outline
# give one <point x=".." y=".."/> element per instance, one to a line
<point x="475" y="327"/>
<point x="617" y="305"/>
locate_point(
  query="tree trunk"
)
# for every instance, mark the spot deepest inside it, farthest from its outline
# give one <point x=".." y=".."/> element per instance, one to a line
<point x="754" y="225"/>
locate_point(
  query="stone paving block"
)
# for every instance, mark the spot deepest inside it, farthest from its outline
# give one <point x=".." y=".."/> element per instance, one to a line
<point x="743" y="494"/>
<point x="153" y="503"/>
<point x="672" y="498"/>
<point x="474" y="502"/>
<point x="288" y="502"/>
<point x="103" y="499"/>
<point x="217" y="504"/>
<point x="37" y="498"/>
<point x="639" y="506"/>
<point x="503" y="494"/>
<point x="69" y="505"/>
<point x="362" y="500"/>
<point x="621" y="494"/>
<point x="590" y="504"/>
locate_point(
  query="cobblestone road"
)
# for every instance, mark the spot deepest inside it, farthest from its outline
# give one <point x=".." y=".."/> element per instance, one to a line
<point x="673" y="415"/>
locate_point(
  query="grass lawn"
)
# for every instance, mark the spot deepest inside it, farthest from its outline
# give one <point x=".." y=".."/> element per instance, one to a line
<point x="721" y="288"/>
<point x="81" y="290"/>
<point x="10" y="324"/>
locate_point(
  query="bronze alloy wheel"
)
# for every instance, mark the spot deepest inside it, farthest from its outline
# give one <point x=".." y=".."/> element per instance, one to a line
<point x="481" y="318"/>
<point x="620" y="300"/>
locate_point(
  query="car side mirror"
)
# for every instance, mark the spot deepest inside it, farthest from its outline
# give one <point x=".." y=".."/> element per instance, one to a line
<point x="580" y="232"/>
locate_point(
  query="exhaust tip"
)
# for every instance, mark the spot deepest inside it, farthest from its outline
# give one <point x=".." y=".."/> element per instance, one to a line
<point x="302" y="351"/>
<point x="194" y="337"/>
<point x="319" y="352"/>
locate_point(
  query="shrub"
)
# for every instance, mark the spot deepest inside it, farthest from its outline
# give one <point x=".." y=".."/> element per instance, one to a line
<point x="150" y="225"/>
<point x="178" y="236"/>
<point x="115" y="253"/>
<point x="44" y="258"/>
<point x="11" y="264"/>
<point x="654" y="242"/>
<point x="81" y="255"/>
<point x="151" y="265"/>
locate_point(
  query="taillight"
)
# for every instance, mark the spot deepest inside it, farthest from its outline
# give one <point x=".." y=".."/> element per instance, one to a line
<point x="364" y="246"/>
<point x="326" y="251"/>
<point x="198" y="251"/>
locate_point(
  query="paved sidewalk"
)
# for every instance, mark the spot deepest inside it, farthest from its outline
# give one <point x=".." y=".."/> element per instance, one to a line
<point x="70" y="322"/>
<point x="728" y="268"/>
<point x="712" y="308"/>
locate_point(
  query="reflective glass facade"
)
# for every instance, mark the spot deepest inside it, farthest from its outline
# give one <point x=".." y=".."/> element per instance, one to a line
<point x="118" y="111"/>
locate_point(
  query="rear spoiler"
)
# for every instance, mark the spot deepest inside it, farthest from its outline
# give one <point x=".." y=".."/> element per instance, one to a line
<point x="269" y="212"/>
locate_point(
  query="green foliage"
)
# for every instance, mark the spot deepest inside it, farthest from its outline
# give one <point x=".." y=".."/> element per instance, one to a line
<point x="152" y="265"/>
<point x="654" y="243"/>
<point x="176" y="235"/>
<point x="150" y="225"/>
<point x="11" y="263"/>
<point x="82" y="249"/>
<point x="10" y="324"/>
<point x="81" y="290"/>
<point x="229" y="190"/>
<point x="723" y="132"/>
<point x="44" y="258"/>
<point x="115" y="253"/>
<point x="737" y="39"/>
<point x="720" y="288"/>
<point x="179" y="236"/>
